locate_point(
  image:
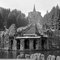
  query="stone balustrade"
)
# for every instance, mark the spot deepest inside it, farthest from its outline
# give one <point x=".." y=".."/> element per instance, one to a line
<point x="39" y="56"/>
<point x="27" y="56"/>
<point x="49" y="57"/>
<point x="58" y="58"/>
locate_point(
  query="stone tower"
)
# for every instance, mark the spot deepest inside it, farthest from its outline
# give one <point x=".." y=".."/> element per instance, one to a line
<point x="34" y="16"/>
<point x="34" y="10"/>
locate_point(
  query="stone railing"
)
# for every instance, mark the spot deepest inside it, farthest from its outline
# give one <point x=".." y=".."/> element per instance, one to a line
<point x="38" y="56"/>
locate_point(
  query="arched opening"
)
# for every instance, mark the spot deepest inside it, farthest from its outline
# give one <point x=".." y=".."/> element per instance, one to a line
<point x="11" y="44"/>
<point x="11" y="38"/>
<point x="34" y="44"/>
<point x="43" y="43"/>
<point x="26" y="46"/>
<point x="18" y="44"/>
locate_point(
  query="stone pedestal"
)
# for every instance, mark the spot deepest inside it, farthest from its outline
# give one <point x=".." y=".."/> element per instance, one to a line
<point x="22" y="44"/>
<point x="31" y="44"/>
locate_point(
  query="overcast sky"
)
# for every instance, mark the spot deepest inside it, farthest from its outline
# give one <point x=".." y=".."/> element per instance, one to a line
<point x="27" y="5"/>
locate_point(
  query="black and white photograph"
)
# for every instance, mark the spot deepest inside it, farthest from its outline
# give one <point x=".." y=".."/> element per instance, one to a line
<point x="30" y="29"/>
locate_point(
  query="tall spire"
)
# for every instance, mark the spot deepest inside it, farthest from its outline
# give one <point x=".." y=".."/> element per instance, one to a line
<point x="34" y="8"/>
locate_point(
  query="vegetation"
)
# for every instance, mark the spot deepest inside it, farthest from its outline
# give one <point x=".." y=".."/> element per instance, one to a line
<point x="7" y="18"/>
<point x="52" y="18"/>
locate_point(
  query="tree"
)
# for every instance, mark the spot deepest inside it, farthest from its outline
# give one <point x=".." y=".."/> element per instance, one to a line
<point x="1" y="23"/>
<point x="4" y="13"/>
<point x="52" y="19"/>
<point x="3" y="17"/>
<point x="12" y="17"/>
<point x="21" y="20"/>
<point x="16" y="17"/>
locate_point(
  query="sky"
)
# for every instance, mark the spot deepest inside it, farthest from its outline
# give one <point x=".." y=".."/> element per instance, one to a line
<point x="27" y="5"/>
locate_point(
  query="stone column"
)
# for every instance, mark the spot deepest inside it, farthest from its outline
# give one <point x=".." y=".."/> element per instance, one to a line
<point x="40" y="43"/>
<point x="22" y="44"/>
<point x="37" y="44"/>
<point x="14" y="44"/>
<point x="9" y="44"/>
<point x="31" y="44"/>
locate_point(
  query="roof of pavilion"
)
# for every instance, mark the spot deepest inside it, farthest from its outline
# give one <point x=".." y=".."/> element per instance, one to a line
<point x="31" y="31"/>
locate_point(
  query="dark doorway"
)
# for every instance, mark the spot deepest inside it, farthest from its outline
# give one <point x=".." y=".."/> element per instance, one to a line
<point x="43" y="42"/>
<point x="26" y="44"/>
<point x="18" y="44"/>
<point x="34" y="44"/>
<point x="11" y="44"/>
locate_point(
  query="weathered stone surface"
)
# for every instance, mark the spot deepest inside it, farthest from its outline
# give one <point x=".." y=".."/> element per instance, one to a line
<point x="58" y="58"/>
<point x="31" y="44"/>
<point x="12" y="30"/>
<point x="34" y="17"/>
<point x="53" y="57"/>
<point x="49" y="57"/>
<point x="40" y="46"/>
<point x="36" y="56"/>
<point x="14" y="44"/>
<point x="39" y="56"/>
<point x="27" y="56"/>
<point x="6" y="42"/>
<point x="42" y="57"/>
<point x="37" y="45"/>
<point x="22" y="44"/>
<point x="31" y="56"/>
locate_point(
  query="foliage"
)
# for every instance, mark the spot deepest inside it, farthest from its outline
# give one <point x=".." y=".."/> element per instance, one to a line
<point x="52" y="18"/>
<point x="21" y="20"/>
<point x="3" y="17"/>
<point x="7" y="18"/>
